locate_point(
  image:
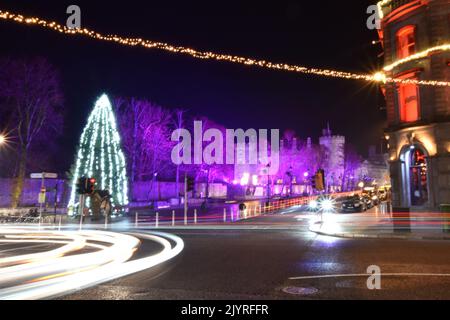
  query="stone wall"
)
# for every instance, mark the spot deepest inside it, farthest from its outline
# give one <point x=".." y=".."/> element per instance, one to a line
<point x="140" y="192"/>
<point x="31" y="192"/>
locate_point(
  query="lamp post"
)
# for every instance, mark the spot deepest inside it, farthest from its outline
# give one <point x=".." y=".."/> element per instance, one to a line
<point x="291" y="176"/>
<point x="268" y="182"/>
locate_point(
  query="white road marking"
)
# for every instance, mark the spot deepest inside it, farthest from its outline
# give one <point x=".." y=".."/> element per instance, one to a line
<point x="352" y="275"/>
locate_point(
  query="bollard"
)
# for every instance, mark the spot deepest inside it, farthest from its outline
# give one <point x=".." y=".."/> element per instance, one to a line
<point x="157" y="220"/>
<point x="445" y="209"/>
<point x="106" y="221"/>
<point x="173" y="218"/>
<point x="81" y="221"/>
<point x="59" y="225"/>
<point x="136" y="220"/>
<point x="195" y="216"/>
<point x="260" y="207"/>
<point x="224" y="214"/>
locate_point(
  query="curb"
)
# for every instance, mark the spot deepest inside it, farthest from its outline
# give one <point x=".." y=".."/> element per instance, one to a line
<point x="379" y="236"/>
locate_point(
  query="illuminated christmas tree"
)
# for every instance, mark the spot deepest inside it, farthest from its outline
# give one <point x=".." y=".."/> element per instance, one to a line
<point x="100" y="156"/>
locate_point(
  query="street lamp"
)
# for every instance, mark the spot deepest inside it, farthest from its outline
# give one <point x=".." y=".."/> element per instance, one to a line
<point x="2" y="139"/>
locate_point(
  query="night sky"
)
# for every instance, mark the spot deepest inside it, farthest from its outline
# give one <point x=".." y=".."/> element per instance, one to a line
<point x="326" y="34"/>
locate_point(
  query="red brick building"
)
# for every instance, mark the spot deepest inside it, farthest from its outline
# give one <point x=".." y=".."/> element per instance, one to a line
<point x="416" y="38"/>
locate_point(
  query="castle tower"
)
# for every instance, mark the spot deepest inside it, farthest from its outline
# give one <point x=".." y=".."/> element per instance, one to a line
<point x="334" y="150"/>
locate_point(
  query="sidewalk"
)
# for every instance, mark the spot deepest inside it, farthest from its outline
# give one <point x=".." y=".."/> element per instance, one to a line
<point x="379" y="224"/>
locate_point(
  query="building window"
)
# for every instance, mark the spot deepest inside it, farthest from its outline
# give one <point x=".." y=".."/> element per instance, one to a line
<point x="406" y="42"/>
<point x="408" y="102"/>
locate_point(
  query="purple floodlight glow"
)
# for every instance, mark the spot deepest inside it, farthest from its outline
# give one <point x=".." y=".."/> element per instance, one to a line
<point x="245" y="179"/>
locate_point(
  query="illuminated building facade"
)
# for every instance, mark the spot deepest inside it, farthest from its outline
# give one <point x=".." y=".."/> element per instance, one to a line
<point x="418" y="131"/>
<point x="334" y="153"/>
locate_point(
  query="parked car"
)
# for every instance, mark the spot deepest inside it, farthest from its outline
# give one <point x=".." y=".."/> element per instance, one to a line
<point x="353" y="204"/>
<point x="382" y="195"/>
<point x="367" y="199"/>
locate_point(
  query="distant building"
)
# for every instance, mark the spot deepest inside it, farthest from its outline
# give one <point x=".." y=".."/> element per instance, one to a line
<point x="334" y="157"/>
<point x="418" y="129"/>
<point x="375" y="169"/>
<point x="299" y="161"/>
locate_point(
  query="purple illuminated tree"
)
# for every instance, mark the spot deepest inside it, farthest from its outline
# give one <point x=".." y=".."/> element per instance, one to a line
<point x="352" y="163"/>
<point x="31" y="90"/>
<point x="178" y="122"/>
<point x="145" y="130"/>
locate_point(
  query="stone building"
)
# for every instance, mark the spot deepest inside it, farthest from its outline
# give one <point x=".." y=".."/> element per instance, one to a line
<point x="416" y="39"/>
<point x="334" y="156"/>
<point x="375" y="169"/>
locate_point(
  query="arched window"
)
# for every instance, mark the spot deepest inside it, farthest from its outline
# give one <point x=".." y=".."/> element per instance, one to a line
<point x="406" y="42"/>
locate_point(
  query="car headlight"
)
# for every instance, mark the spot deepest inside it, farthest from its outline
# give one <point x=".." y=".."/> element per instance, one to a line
<point x="313" y="204"/>
<point x="327" y="205"/>
<point x="357" y="204"/>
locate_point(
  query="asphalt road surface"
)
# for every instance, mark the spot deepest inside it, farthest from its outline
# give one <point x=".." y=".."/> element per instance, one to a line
<point x="248" y="261"/>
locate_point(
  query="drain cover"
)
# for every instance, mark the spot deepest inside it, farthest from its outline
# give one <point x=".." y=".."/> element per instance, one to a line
<point x="304" y="291"/>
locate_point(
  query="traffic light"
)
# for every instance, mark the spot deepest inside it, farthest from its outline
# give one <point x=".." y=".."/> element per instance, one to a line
<point x="85" y="185"/>
<point x="81" y="185"/>
<point x="190" y="184"/>
<point x="90" y="185"/>
<point x="320" y="180"/>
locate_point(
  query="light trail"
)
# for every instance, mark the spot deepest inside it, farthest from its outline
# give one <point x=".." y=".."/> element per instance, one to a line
<point x="69" y="267"/>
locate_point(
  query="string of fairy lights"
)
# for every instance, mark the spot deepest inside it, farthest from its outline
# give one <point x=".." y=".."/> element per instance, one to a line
<point x="378" y="77"/>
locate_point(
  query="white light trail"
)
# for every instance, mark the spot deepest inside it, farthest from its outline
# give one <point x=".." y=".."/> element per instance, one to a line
<point x="65" y="269"/>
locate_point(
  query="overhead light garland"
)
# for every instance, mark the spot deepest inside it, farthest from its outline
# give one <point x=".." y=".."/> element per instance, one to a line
<point x="418" y="55"/>
<point x="377" y="77"/>
<point x="380" y="5"/>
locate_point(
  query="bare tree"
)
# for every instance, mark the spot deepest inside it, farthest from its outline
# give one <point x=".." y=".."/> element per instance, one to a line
<point x="178" y="124"/>
<point x="131" y="117"/>
<point x="32" y="89"/>
<point x="145" y="130"/>
<point x="352" y="163"/>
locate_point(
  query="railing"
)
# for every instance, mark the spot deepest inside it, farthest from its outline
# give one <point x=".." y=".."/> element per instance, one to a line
<point x="393" y="5"/>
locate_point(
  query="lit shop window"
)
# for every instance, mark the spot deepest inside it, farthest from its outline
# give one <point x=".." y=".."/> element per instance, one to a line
<point x="406" y="42"/>
<point x="408" y="102"/>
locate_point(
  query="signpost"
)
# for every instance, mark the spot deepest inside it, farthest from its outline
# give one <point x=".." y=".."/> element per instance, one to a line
<point x="44" y="175"/>
<point x="185" y="198"/>
<point x="42" y="193"/>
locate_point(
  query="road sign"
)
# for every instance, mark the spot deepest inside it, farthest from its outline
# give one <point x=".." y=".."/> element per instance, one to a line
<point x="41" y="197"/>
<point x="44" y="175"/>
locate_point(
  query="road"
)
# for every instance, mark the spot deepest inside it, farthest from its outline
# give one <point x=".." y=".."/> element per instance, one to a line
<point x="45" y="263"/>
<point x="257" y="259"/>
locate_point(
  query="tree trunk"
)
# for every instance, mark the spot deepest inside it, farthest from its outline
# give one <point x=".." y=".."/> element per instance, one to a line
<point x="135" y="151"/>
<point x="207" y="185"/>
<point x="18" y="186"/>
<point x="177" y="186"/>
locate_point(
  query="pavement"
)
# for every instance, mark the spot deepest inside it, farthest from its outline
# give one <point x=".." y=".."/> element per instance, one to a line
<point x="380" y="223"/>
